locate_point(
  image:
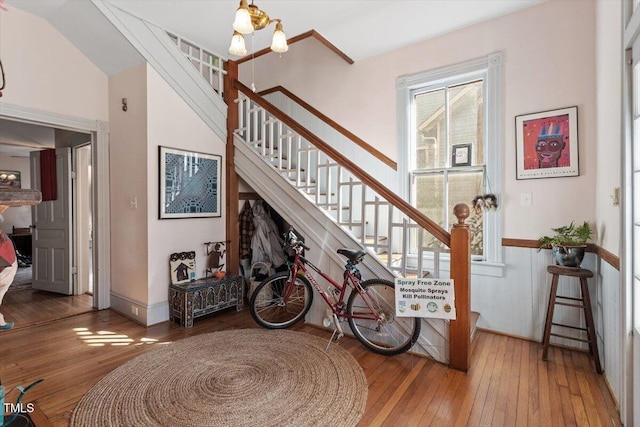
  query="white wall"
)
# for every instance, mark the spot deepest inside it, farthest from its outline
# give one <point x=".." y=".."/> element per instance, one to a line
<point x="608" y="298"/>
<point x="18" y="216"/>
<point x="172" y="123"/>
<point x="609" y="60"/>
<point x="45" y="71"/>
<point x="549" y="62"/>
<point x="609" y="120"/>
<point x="128" y="179"/>
<point x="141" y="243"/>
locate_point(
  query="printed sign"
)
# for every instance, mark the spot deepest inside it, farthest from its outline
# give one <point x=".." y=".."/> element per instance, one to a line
<point x="425" y="298"/>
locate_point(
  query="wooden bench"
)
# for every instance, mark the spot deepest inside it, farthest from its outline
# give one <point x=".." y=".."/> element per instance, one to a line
<point x="190" y="300"/>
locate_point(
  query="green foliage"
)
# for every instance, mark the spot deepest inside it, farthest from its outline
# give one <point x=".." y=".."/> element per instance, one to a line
<point x="567" y="235"/>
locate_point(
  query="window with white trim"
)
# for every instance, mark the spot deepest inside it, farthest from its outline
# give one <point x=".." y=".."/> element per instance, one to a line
<point x="450" y="120"/>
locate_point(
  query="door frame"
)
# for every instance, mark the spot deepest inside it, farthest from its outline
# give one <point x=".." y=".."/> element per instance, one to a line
<point x="99" y="131"/>
<point x="81" y="213"/>
<point x="630" y="313"/>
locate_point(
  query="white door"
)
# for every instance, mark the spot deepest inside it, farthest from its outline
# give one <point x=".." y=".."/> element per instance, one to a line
<point x="52" y="229"/>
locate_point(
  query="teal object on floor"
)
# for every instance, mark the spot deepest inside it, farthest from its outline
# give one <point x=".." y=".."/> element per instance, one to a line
<point x="1" y="405"/>
<point x="6" y="326"/>
<point x="23" y="391"/>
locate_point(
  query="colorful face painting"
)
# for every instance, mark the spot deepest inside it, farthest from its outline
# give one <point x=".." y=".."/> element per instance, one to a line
<point x="546" y="142"/>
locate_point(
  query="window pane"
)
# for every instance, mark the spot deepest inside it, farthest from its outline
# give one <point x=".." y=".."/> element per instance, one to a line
<point x="429" y="199"/>
<point x="466" y="123"/>
<point x="636" y="83"/>
<point x="636" y="145"/>
<point x="430" y="133"/>
<point x="429" y="196"/>
<point x="463" y="188"/>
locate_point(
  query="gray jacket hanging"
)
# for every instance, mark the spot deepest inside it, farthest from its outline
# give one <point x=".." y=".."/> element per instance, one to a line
<point x="266" y="244"/>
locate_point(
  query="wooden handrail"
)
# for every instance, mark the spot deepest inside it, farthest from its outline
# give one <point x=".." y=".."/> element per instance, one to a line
<point x="413" y="213"/>
<point x="311" y="33"/>
<point x="344" y="132"/>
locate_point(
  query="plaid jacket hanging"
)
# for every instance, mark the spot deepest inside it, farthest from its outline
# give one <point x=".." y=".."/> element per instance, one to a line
<point x="245" y="220"/>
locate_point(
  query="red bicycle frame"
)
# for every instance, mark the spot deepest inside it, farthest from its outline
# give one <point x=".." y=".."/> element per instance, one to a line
<point x="338" y="307"/>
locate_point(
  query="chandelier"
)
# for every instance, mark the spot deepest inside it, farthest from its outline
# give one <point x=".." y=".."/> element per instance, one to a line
<point x="250" y="18"/>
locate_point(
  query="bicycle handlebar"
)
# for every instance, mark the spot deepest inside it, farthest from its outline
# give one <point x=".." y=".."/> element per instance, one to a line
<point x="292" y="240"/>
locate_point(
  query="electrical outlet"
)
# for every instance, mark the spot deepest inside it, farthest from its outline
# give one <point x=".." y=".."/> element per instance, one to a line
<point x="134" y="310"/>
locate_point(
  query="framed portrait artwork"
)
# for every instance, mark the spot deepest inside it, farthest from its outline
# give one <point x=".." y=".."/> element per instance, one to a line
<point x="547" y="144"/>
<point x="189" y="184"/>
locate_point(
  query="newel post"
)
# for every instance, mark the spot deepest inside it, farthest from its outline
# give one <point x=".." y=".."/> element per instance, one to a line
<point x="231" y="179"/>
<point x="460" y="329"/>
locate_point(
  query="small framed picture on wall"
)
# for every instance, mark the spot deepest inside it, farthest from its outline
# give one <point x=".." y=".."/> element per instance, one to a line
<point x="461" y="155"/>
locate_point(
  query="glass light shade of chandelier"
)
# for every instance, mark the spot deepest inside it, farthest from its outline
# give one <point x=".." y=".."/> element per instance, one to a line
<point x="250" y="18"/>
<point x="237" y="45"/>
<point x="279" y="41"/>
<point x="242" y="23"/>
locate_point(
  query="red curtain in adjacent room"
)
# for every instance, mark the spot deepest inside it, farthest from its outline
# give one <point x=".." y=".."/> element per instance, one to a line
<point x="48" y="183"/>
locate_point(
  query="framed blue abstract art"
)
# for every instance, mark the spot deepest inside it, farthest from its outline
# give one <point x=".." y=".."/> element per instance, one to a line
<point x="189" y="184"/>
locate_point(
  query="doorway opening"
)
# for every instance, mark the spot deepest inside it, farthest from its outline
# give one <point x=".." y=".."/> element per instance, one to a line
<point x="27" y="304"/>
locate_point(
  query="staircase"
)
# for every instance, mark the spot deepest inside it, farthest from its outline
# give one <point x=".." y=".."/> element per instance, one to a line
<point x="337" y="204"/>
<point x="314" y="186"/>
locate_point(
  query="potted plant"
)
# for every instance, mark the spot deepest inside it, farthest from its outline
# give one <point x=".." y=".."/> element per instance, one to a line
<point x="568" y="243"/>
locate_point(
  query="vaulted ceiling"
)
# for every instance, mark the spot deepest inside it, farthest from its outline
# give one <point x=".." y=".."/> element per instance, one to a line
<point x="360" y="29"/>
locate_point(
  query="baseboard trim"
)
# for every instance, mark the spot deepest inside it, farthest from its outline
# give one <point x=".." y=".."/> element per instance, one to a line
<point x="139" y="312"/>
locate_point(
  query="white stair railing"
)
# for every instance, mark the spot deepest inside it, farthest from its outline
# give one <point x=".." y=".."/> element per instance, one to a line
<point x="399" y="243"/>
<point x="210" y="65"/>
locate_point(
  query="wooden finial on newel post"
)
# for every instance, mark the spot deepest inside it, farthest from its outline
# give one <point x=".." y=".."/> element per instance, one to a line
<point x="460" y="329"/>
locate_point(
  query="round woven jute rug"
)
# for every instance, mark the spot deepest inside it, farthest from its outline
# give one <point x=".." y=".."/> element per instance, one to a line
<point x="245" y="377"/>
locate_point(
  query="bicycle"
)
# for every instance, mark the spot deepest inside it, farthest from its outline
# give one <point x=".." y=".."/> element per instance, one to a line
<point x="283" y="299"/>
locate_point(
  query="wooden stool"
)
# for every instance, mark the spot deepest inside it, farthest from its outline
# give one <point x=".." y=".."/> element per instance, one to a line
<point x="584" y="303"/>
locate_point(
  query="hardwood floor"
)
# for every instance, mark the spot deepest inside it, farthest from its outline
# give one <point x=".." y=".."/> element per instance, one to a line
<point x="508" y="383"/>
<point x="31" y="307"/>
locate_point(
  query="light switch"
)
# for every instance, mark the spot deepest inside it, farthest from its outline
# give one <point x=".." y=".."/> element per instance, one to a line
<point x="525" y="199"/>
<point x="615" y="197"/>
<point x="133" y="202"/>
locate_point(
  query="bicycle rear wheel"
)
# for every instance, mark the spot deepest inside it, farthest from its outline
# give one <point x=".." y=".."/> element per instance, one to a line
<point x="268" y="306"/>
<point x="392" y="335"/>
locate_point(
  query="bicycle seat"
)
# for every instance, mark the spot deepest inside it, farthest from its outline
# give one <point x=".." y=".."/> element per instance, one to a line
<point x="353" y="255"/>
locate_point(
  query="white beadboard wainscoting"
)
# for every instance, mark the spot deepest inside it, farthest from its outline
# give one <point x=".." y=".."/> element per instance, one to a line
<point x="516" y="304"/>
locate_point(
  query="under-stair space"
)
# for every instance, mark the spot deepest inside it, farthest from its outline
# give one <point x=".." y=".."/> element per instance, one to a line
<point x="325" y="196"/>
<point x="398" y="242"/>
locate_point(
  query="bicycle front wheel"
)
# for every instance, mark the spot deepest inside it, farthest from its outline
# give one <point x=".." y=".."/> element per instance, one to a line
<point x="276" y="304"/>
<point x="390" y="335"/>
